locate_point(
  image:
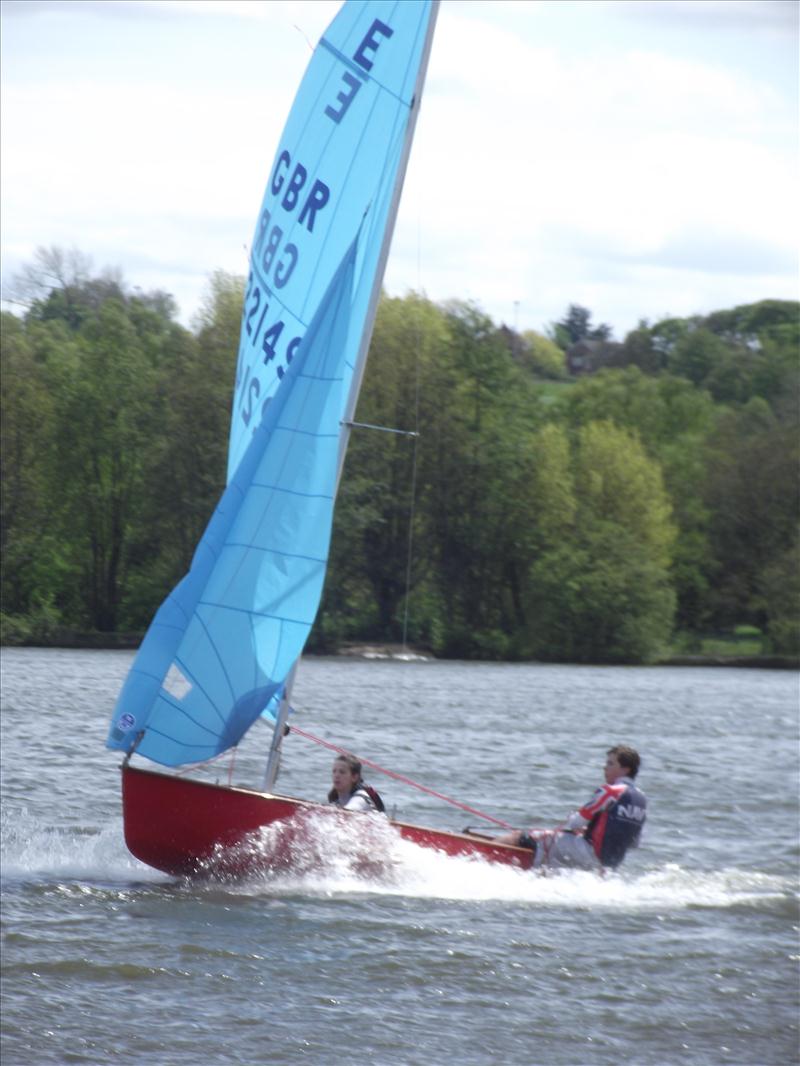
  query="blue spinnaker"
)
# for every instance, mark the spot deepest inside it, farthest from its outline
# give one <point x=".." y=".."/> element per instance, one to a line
<point x="223" y="644"/>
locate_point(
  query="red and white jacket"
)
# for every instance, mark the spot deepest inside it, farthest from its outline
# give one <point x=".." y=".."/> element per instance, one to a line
<point x="612" y="820"/>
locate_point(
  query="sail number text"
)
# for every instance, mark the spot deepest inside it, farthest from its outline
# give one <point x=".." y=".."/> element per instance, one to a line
<point x="272" y="344"/>
<point x="274" y="257"/>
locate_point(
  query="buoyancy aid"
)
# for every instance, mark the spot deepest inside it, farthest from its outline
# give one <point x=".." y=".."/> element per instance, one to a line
<point x="617" y="825"/>
<point x="371" y="794"/>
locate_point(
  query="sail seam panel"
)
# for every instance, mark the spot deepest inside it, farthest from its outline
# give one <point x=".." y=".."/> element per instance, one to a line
<point x="269" y="294"/>
<point x="253" y="613"/>
<point x="378" y="220"/>
<point x="401" y="111"/>
<point x="291" y="492"/>
<point x="165" y="697"/>
<point x="297" y="431"/>
<point x="183" y="744"/>
<point x="395" y="141"/>
<point x="321" y="146"/>
<point x="177" y="707"/>
<point x="346" y="177"/>
<point x="325" y="379"/>
<point x="171" y="625"/>
<point x="361" y="73"/>
<point x="334" y="51"/>
<point x="299" y="313"/>
<point x="264" y="549"/>
<point x="225" y="674"/>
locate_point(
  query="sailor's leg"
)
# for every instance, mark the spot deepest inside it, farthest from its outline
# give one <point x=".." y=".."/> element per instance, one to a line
<point x="568" y="851"/>
<point x="514" y="837"/>
<point x="538" y="841"/>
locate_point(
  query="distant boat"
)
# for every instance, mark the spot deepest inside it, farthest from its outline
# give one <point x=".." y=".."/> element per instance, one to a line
<point x="223" y="647"/>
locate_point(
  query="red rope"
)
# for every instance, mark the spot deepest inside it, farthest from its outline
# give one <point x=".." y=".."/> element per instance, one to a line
<point x="405" y="780"/>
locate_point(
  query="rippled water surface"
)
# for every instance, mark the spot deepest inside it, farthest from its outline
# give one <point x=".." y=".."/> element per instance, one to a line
<point x="688" y="955"/>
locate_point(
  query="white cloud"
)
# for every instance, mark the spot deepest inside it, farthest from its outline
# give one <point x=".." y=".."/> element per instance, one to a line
<point x="603" y="153"/>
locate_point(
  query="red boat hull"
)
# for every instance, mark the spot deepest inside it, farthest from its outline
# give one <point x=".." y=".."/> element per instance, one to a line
<point x="182" y="826"/>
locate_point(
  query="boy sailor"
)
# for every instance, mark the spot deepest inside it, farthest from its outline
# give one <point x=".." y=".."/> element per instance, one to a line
<point x="598" y="834"/>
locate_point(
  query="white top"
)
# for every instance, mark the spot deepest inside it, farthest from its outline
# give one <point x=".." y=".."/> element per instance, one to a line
<point x="356" y="801"/>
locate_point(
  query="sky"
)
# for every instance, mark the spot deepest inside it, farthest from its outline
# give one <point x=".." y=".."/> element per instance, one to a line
<point x="638" y="158"/>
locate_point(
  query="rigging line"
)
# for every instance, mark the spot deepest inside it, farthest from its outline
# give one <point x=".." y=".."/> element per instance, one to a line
<point x="400" y="777"/>
<point x="188" y="768"/>
<point x="417" y="363"/>
<point x="410" y="544"/>
<point x="381" y="429"/>
<point x="412" y="504"/>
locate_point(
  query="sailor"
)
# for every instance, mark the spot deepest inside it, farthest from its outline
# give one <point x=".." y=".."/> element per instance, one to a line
<point x="597" y="835"/>
<point x="349" y="790"/>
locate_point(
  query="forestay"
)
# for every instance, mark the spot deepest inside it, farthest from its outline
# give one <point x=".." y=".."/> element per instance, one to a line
<point x="223" y="643"/>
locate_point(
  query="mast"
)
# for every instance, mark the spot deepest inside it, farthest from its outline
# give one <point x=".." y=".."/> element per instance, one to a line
<point x="273" y="760"/>
<point x="278" y="733"/>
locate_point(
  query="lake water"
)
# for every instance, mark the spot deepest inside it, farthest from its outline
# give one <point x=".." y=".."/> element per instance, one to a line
<point x="688" y="955"/>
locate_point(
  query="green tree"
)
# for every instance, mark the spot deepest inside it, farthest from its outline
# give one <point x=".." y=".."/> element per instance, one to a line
<point x="779" y="593"/>
<point x="775" y="320"/>
<point x="617" y="482"/>
<point x="552" y="478"/>
<point x="477" y="485"/>
<point x="563" y="529"/>
<point x="599" y="599"/>
<point x="448" y="372"/>
<point x="576" y="325"/>
<point x="104" y="421"/>
<point x="639" y="350"/>
<point x="673" y="419"/>
<point x="697" y="354"/>
<point x="603" y="593"/>
<point x="367" y="580"/>
<point x="185" y="468"/>
<point x="103" y="356"/>
<point x="543" y="356"/>
<point x="753" y="495"/>
<point x="747" y="351"/>
<point x="32" y="554"/>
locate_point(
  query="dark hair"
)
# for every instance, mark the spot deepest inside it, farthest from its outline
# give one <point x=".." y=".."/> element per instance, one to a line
<point x="353" y="763"/>
<point x="354" y="766"/>
<point x="627" y="757"/>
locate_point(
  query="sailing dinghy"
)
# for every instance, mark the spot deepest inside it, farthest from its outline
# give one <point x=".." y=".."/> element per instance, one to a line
<point x="223" y="647"/>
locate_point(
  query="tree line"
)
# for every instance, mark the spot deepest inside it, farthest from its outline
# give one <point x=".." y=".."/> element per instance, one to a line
<point x="535" y="515"/>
